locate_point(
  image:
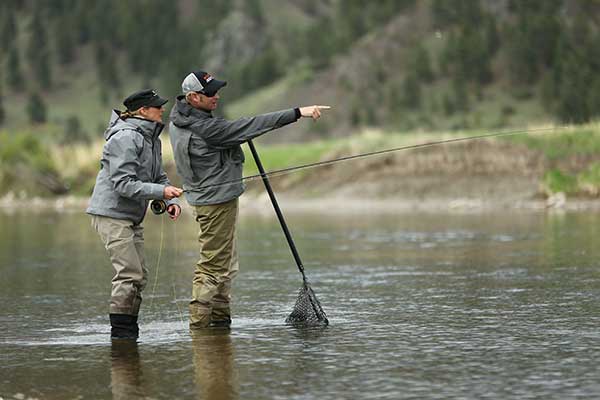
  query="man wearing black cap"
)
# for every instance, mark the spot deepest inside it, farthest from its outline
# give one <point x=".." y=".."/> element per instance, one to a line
<point x="131" y="175"/>
<point x="207" y="153"/>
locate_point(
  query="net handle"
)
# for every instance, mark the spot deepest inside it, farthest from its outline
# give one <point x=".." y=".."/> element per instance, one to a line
<point x="284" y="227"/>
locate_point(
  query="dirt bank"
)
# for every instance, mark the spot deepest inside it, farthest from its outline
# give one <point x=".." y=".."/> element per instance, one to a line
<point x="486" y="170"/>
<point x="469" y="176"/>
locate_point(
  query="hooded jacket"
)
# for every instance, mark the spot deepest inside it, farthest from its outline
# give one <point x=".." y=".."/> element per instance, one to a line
<point x="131" y="170"/>
<point x="208" y="153"/>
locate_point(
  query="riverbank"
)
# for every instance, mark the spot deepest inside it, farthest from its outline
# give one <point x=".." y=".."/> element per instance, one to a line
<point x="535" y="169"/>
<point x="255" y="203"/>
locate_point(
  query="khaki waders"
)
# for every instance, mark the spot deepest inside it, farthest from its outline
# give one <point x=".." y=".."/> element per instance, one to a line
<point x="217" y="266"/>
<point x="124" y="242"/>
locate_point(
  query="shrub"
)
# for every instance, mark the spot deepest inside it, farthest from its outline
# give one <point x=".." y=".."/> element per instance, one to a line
<point x="26" y="164"/>
<point x="556" y="181"/>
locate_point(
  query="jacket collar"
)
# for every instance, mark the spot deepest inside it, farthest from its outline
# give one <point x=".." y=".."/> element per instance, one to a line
<point x="149" y="129"/>
<point x="184" y="108"/>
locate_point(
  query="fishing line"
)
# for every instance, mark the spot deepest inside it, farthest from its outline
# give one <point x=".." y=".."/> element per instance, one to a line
<point x="173" y="279"/>
<point x="285" y="171"/>
<point x="160" y="249"/>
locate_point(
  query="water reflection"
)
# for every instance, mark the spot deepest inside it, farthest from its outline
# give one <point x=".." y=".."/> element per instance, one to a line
<point x="308" y="333"/>
<point x="215" y="373"/>
<point x="126" y="371"/>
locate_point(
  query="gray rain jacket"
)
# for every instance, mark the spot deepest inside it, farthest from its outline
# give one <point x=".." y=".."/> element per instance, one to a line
<point x="207" y="149"/>
<point x="131" y="170"/>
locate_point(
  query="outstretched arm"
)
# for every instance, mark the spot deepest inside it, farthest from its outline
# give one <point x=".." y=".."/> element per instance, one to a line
<point x="220" y="133"/>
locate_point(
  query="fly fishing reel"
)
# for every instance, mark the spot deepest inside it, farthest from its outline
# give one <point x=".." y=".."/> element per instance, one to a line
<point x="158" y="206"/>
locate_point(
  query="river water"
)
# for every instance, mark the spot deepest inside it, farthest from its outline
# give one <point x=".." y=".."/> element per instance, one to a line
<point x="421" y="306"/>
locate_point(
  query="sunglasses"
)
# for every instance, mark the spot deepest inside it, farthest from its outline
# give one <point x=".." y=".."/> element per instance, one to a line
<point x="207" y="94"/>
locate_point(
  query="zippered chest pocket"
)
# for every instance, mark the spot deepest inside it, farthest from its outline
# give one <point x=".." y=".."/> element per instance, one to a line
<point x="237" y="155"/>
<point x="146" y="168"/>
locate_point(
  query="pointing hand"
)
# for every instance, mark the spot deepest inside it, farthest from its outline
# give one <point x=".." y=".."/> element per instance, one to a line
<point x="313" y="112"/>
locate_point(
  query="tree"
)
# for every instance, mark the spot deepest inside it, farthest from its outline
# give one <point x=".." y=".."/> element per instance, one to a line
<point x="572" y="105"/>
<point x="379" y="12"/>
<point x="457" y="12"/>
<point x="350" y="22"/>
<point x="65" y="41"/>
<point x="254" y="9"/>
<point x="107" y="68"/>
<point x="36" y="109"/>
<point x="466" y="56"/>
<point x="15" y="77"/>
<point x="81" y="19"/>
<point x="491" y="35"/>
<point x="460" y="95"/>
<point x="2" y="112"/>
<point x="73" y="131"/>
<point x="593" y="98"/>
<point x="420" y="64"/>
<point x="8" y="29"/>
<point x="532" y="38"/>
<point x="411" y="92"/>
<point x="573" y="79"/>
<point x="38" y="52"/>
<point x="319" y="44"/>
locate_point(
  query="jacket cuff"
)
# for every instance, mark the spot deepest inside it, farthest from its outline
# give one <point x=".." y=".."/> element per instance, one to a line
<point x="174" y="201"/>
<point x="157" y="191"/>
<point x="297" y="112"/>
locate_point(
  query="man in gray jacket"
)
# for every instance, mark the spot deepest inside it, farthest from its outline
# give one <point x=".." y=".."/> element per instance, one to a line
<point x="131" y="175"/>
<point x="208" y="154"/>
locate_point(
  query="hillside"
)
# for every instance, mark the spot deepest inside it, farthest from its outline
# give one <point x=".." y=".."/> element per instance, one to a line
<point x="398" y="65"/>
<point x="403" y="68"/>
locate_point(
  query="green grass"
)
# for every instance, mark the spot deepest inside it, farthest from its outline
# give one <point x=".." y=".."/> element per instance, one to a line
<point x="586" y="182"/>
<point x="557" y="181"/>
<point x="581" y="140"/>
<point x="573" y="155"/>
<point x="274" y="157"/>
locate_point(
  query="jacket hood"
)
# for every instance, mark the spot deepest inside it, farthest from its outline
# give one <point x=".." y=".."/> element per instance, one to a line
<point x="149" y="129"/>
<point x="183" y="115"/>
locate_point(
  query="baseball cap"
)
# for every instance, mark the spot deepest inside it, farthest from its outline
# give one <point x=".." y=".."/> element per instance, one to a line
<point x="203" y="82"/>
<point x="143" y="98"/>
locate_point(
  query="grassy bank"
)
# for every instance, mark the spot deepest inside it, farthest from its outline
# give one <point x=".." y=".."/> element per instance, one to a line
<point x="572" y="159"/>
<point x="31" y="166"/>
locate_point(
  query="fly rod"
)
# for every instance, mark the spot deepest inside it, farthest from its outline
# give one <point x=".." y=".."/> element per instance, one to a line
<point x="283" y="171"/>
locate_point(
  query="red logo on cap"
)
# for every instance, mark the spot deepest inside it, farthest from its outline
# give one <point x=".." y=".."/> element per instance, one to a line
<point x="207" y="78"/>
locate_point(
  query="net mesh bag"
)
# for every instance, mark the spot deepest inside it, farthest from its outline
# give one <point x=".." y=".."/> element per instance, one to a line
<point x="307" y="310"/>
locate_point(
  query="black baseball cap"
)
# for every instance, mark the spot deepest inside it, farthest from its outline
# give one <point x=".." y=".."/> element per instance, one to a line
<point x="201" y="82"/>
<point x="143" y="98"/>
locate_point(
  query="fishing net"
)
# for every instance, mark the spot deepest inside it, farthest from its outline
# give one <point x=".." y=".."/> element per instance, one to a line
<point x="307" y="310"/>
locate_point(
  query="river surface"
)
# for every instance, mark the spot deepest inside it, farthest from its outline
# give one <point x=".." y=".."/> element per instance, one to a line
<point x="421" y="306"/>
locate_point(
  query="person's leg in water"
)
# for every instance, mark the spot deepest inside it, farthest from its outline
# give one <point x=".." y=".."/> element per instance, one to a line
<point x="124" y="242"/>
<point x="217" y="266"/>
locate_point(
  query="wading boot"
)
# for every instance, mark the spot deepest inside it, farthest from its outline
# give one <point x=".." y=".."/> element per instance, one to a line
<point x="199" y="315"/>
<point x="221" y="323"/>
<point x="124" y="326"/>
<point x="220" y="316"/>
